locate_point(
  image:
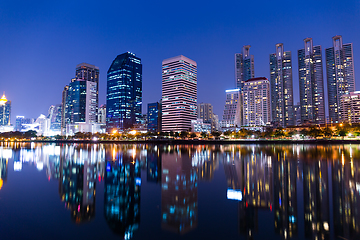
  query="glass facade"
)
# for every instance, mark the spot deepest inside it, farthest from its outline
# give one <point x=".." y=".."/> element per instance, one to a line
<point x="154" y="117"/>
<point x="5" y="111"/>
<point x="124" y="92"/>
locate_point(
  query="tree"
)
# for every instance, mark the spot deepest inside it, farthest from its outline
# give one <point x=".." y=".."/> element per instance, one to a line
<point x="204" y="135"/>
<point x="30" y="134"/>
<point x="327" y="132"/>
<point x="192" y="135"/>
<point x="314" y="132"/>
<point x="216" y="134"/>
<point x="184" y="134"/>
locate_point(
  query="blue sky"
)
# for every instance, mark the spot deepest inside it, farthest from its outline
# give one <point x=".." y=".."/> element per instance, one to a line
<point x="41" y="42"/>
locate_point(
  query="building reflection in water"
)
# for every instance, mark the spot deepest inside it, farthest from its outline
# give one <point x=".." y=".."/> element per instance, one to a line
<point x="179" y="194"/>
<point x="5" y="154"/>
<point x="122" y="190"/>
<point x="77" y="185"/>
<point x="153" y="165"/>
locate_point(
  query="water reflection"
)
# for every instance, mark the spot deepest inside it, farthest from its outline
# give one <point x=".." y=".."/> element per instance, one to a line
<point x="307" y="191"/>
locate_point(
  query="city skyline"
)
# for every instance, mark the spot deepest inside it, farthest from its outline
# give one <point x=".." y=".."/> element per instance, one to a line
<point x="219" y="37"/>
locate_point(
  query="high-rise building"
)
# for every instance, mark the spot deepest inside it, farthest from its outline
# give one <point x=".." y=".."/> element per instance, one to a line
<point x="124" y="92"/>
<point x="54" y="114"/>
<point x="232" y="109"/>
<point x="91" y="74"/>
<point x="350" y="107"/>
<point x="80" y="97"/>
<point x="5" y="111"/>
<point x="244" y="67"/>
<point x="281" y="85"/>
<point x="256" y="102"/>
<point x="311" y="83"/>
<point x="154" y="117"/>
<point x="206" y="113"/>
<point x="297" y="114"/>
<point x="102" y="114"/>
<point x="340" y="75"/>
<point x="179" y="93"/>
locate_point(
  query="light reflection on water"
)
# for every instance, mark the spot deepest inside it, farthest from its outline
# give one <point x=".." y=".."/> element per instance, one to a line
<point x="305" y="191"/>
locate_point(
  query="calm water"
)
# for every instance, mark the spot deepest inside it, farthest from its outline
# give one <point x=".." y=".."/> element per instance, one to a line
<point x="117" y="191"/>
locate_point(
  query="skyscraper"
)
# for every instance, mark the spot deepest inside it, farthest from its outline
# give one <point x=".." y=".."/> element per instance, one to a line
<point x="154" y="117"/>
<point x="281" y="87"/>
<point x="102" y="114"/>
<point x="311" y="83"/>
<point x="232" y="109"/>
<point x="124" y="92"/>
<point x="205" y="112"/>
<point x="340" y="75"/>
<point x="244" y="67"/>
<point x="80" y="97"/>
<point x="179" y="93"/>
<point x="5" y="111"/>
<point x="256" y="102"/>
<point x="55" y="117"/>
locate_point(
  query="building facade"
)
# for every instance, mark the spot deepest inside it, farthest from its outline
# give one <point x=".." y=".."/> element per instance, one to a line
<point x="311" y="83"/>
<point x="232" y="109"/>
<point x="5" y="111"/>
<point x="256" y="102"/>
<point x="154" y="117"/>
<point x="124" y="92"/>
<point x="102" y="114"/>
<point x="281" y="85"/>
<point x="340" y="75"/>
<point x="179" y="93"/>
<point x="244" y="67"/>
<point x="206" y="113"/>
<point x="350" y="107"/>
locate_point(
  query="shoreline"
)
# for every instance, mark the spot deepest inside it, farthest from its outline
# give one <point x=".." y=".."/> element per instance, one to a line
<point x="199" y="142"/>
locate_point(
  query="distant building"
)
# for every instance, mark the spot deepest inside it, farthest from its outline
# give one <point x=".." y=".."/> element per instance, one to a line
<point x="216" y="123"/>
<point x="199" y="126"/>
<point x="281" y="87"/>
<point x="350" y="107"/>
<point x="179" y="93"/>
<point x="102" y="114"/>
<point x="124" y="92"/>
<point x="232" y="109"/>
<point x="311" y="83"/>
<point x="154" y="117"/>
<point x="244" y="67"/>
<point x="54" y="114"/>
<point x="5" y="111"/>
<point x="340" y="75"/>
<point x="206" y="113"/>
<point x="20" y="121"/>
<point x="256" y="102"/>
<point x="80" y="98"/>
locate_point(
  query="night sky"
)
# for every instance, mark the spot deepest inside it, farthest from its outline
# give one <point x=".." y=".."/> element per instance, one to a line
<point x="41" y="42"/>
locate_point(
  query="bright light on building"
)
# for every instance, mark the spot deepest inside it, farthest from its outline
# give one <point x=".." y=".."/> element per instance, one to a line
<point x="234" y="194"/>
<point x="133" y="132"/>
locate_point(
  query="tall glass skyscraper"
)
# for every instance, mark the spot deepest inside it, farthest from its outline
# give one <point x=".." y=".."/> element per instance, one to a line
<point x="154" y="117"/>
<point x="179" y="93"/>
<point x="281" y="87"/>
<point x="244" y="67"/>
<point x="340" y="75"/>
<point x="5" y="111"/>
<point x="311" y="83"/>
<point x="80" y="97"/>
<point x="124" y="92"/>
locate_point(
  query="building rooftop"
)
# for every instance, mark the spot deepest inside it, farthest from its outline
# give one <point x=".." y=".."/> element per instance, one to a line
<point x="256" y="79"/>
<point x="178" y="58"/>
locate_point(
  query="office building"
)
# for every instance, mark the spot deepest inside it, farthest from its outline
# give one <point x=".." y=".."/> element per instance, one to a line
<point x="350" y="107"/>
<point x="256" y="102"/>
<point x="244" y="67"/>
<point x="311" y="83"/>
<point x="64" y="110"/>
<point x="199" y="126"/>
<point x="206" y="113"/>
<point x="154" y="117"/>
<point x="102" y="114"/>
<point x="340" y="75"/>
<point x="54" y="114"/>
<point x="179" y="93"/>
<point x="281" y="85"/>
<point x="232" y="109"/>
<point x="5" y="111"/>
<point x="124" y="92"/>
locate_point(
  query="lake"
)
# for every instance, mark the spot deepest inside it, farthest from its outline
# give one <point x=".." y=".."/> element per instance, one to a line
<point x="144" y="191"/>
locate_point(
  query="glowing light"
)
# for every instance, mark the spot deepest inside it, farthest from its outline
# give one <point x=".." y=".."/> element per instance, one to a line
<point x="133" y="132"/>
<point x="234" y="194"/>
<point x="114" y="132"/>
<point x="1" y="183"/>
